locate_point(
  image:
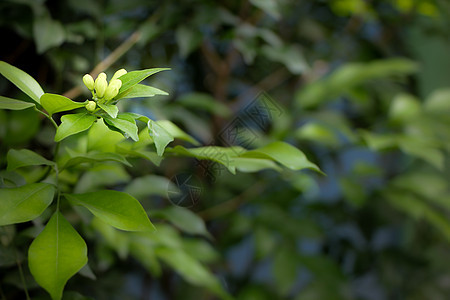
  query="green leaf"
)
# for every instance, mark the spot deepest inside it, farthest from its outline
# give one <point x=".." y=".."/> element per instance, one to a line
<point x="140" y="91"/>
<point x="13" y="104"/>
<point x="116" y="239"/>
<point x="184" y="219"/>
<point x="271" y="7"/>
<point x="22" y="80"/>
<point x="54" y="103"/>
<point x="24" y="203"/>
<point x="125" y="124"/>
<point x="72" y="124"/>
<point x="47" y="33"/>
<point x="114" y="208"/>
<point x="160" y="136"/>
<point x="57" y="254"/>
<point x="149" y="155"/>
<point x="149" y="185"/>
<point x="110" y="109"/>
<point x="176" y="132"/>
<point x="289" y="55"/>
<point x="188" y="39"/>
<point x="191" y="270"/>
<point x="132" y="78"/>
<point x="24" y="157"/>
<point x="285" y="154"/>
<point x="101" y="138"/>
<point x="245" y="164"/>
<point x="92" y="157"/>
<point x="224" y="156"/>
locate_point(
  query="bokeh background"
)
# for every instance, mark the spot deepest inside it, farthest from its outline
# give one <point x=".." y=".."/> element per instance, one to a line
<point x="361" y="87"/>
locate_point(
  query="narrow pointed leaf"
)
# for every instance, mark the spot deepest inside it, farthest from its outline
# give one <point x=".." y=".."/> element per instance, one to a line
<point x="57" y="254"/>
<point x="140" y="91"/>
<point x="110" y="109"/>
<point x="22" y="80"/>
<point x="53" y="103"/>
<point x="114" y="208"/>
<point x="72" y="124"/>
<point x="13" y="104"/>
<point x="24" y="157"/>
<point x="132" y="78"/>
<point x="160" y="136"/>
<point x="285" y="154"/>
<point x="24" y="203"/>
<point x="125" y="124"/>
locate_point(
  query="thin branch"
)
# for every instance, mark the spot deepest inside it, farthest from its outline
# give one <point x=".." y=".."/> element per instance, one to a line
<point x="47" y="116"/>
<point x="108" y="61"/>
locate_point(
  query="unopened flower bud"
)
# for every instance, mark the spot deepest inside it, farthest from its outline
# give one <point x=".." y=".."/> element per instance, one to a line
<point x="111" y="93"/>
<point x="119" y="73"/>
<point x="100" y="85"/>
<point x="88" y="82"/>
<point x="115" y="83"/>
<point x="90" y="106"/>
<point x="113" y="89"/>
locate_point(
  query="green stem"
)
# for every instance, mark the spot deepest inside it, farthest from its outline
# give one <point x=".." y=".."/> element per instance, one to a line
<point x="47" y="116"/>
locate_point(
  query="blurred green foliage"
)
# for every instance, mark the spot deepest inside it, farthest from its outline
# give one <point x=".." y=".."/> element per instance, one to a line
<point x="362" y="87"/>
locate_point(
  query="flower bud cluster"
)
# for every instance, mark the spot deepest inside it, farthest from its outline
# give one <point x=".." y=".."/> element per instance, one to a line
<point x="103" y="92"/>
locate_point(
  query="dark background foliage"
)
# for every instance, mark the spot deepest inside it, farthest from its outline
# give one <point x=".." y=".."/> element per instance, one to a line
<point x="360" y="86"/>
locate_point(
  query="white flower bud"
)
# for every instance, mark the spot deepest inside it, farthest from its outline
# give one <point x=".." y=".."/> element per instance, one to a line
<point x="88" y="82"/>
<point x="119" y="73"/>
<point x="100" y="85"/>
<point x="90" y="106"/>
<point x="113" y="89"/>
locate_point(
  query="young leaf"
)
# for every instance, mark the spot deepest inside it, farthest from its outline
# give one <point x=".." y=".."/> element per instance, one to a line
<point x="130" y="79"/>
<point x="114" y="208"/>
<point x="24" y="203"/>
<point x="285" y="154"/>
<point x="22" y="80"/>
<point x="110" y="109"/>
<point x="56" y="255"/>
<point x="72" y="124"/>
<point x="24" y="157"/>
<point x="53" y="103"/>
<point x="125" y="124"/>
<point x="13" y="104"/>
<point x="160" y="136"/>
<point x="140" y="91"/>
